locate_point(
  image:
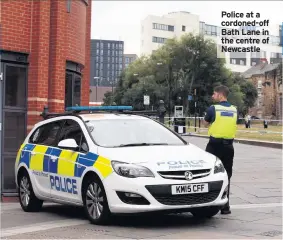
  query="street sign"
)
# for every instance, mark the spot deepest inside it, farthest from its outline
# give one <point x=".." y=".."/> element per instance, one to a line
<point x="179" y="112"/>
<point x="146" y="100"/>
<point x="190" y="97"/>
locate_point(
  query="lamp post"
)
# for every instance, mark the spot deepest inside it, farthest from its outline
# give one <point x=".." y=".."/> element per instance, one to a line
<point x="170" y="70"/>
<point x="96" y="87"/>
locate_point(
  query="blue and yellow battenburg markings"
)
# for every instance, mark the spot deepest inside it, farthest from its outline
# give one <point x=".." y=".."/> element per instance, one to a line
<point x="69" y="163"/>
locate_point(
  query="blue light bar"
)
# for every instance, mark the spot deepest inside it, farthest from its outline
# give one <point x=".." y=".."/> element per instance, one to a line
<point x="99" y="108"/>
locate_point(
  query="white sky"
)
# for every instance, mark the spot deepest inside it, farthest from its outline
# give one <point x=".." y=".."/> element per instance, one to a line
<point x="121" y="20"/>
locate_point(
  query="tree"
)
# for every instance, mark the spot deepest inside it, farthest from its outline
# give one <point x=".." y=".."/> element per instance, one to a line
<point x="249" y="96"/>
<point x="108" y="98"/>
<point x="176" y="69"/>
<point x="248" y="93"/>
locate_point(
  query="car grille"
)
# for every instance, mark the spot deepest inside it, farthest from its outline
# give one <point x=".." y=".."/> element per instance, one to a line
<point x="162" y="193"/>
<point x="180" y="175"/>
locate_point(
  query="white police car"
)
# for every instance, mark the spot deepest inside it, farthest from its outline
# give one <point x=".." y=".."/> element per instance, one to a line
<point x="116" y="163"/>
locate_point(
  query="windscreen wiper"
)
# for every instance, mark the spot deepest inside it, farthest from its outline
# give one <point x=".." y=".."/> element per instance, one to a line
<point x="141" y="144"/>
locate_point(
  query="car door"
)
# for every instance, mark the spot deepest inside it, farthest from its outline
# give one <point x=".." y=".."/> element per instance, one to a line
<point x="65" y="184"/>
<point x="43" y="140"/>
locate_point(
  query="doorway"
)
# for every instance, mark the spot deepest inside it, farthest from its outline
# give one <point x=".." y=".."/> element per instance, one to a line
<point x="73" y="82"/>
<point x="14" y="119"/>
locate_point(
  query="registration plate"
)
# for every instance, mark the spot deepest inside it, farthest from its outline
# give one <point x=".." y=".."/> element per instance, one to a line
<point x="190" y="188"/>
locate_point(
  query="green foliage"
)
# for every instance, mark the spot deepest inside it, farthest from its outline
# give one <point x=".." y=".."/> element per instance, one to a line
<point x="191" y="63"/>
<point x="107" y="100"/>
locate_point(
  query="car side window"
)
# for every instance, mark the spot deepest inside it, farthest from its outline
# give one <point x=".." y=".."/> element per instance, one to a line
<point x="46" y="134"/>
<point x="72" y="129"/>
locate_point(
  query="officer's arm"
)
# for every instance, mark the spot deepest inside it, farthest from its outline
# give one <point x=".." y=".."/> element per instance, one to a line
<point x="209" y="116"/>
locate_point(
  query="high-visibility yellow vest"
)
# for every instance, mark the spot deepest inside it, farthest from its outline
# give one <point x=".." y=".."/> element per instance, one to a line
<point x="225" y="124"/>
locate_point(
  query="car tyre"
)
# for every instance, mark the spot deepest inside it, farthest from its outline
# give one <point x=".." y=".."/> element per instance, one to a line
<point x="28" y="201"/>
<point x="206" y="212"/>
<point x="95" y="201"/>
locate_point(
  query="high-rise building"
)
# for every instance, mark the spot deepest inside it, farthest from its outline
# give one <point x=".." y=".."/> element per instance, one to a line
<point x="106" y="62"/>
<point x="157" y="29"/>
<point x="128" y="59"/>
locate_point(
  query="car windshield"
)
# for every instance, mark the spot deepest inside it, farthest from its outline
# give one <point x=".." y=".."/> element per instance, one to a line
<point x="131" y="132"/>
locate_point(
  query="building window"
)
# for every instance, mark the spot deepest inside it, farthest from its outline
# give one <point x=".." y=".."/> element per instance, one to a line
<point x="158" y="40"/>
<point x="238" y="58"/>
<point x="184" y="28"/>
<point x="211" y="30"/>
<point x="15" y="86"/>
<point x="69" y="6"/>
<point x="274" y="40"/>
<point x="202" y="28"/>
<point x="275" y="57"/>
<point x="259" y="84"/>
<point x="73" y="84"/>
<point x="163" y="27"/>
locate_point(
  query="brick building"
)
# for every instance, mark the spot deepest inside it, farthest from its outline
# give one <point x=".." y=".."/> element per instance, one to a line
<point x="265" y="77"/>
<point x="45" y="60"/>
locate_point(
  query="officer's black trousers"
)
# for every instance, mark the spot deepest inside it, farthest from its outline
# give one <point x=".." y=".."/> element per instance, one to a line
<point x="225" y="152"/>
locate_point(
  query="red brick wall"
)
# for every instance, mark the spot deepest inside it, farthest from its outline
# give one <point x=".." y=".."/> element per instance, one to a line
<point x="76" y="31"/>
<point x="39" y="60"/>
<point x="16" y="22"/>
<point x="58" y="50"/>
<point x="86" y="70"/>
<point x="51" y="36"/>
<point x="268" y="103"/>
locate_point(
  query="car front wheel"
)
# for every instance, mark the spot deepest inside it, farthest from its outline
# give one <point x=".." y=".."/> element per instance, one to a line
<point x="95" y="201"/>
<point x="29" y="202"/>
<point x="205" y="212"/>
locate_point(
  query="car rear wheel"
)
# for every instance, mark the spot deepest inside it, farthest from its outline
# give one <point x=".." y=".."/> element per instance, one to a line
<point x="29" y="202"/>
<point x="205" y="212"/>
<point x="95" y="201"/>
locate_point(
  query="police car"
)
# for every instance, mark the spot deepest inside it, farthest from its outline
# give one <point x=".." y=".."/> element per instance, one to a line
<point x="111" y="160"/>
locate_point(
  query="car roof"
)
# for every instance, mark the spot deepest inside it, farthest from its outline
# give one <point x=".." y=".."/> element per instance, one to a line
<point x="91" y="117"/>
<point x="109" y="116"/>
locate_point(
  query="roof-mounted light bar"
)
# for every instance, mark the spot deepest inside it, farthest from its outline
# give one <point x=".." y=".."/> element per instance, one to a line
<point x="99" y="108"/>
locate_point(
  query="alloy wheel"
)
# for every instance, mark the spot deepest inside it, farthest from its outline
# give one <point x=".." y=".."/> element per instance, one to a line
<point x="25" y="191"/>
<point x="94" y="200"/>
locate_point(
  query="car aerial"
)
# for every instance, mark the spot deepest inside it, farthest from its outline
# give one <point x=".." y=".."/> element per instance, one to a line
<point x="111" y="160"/>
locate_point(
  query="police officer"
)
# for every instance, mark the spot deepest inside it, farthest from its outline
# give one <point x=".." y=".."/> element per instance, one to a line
<point x="222" y="121"/>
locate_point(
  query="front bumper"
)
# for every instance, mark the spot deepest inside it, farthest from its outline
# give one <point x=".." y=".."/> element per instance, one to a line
<point x="157" y="193"/>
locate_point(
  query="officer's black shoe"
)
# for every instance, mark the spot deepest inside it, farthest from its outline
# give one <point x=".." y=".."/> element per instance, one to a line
<point x="226" y="211"/>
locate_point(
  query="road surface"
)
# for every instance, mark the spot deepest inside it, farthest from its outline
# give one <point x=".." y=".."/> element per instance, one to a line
<point x="256" y="199"/>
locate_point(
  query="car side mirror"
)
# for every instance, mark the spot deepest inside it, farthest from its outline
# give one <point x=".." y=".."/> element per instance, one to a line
<point x="68" y="144"/>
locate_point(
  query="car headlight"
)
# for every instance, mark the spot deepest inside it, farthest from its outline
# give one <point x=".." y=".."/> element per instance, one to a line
<point x="131" y="170"/>
<point x="218" y="167"/>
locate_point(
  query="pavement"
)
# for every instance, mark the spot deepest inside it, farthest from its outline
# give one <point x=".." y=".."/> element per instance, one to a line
<point x="256" y="204"/>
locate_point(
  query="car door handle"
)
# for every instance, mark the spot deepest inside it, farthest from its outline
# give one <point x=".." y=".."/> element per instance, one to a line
<point x="53" y="158"/>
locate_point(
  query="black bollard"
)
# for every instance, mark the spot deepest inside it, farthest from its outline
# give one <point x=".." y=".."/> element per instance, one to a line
<point x="161" y="111"/>
<point x="265" y="124"/>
